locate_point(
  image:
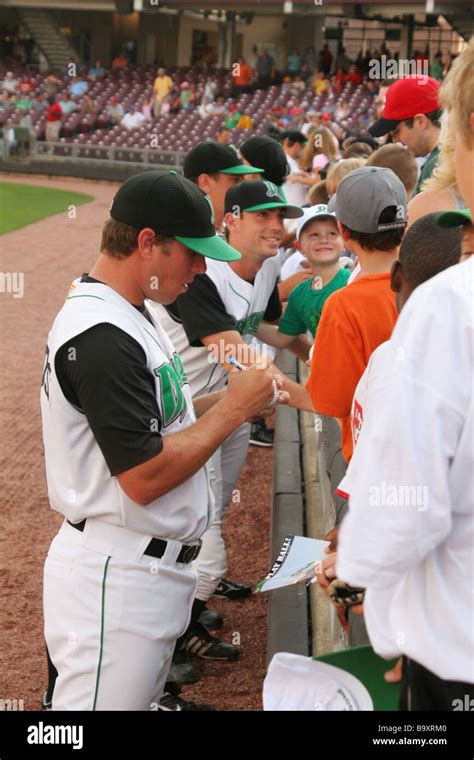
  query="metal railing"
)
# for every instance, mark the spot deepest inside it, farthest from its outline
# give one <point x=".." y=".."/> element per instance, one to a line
<point x="117" y="154"/>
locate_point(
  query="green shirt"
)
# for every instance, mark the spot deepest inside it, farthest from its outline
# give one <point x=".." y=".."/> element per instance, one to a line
<point x="427" y="169"/>
<point x="305" y="305"/>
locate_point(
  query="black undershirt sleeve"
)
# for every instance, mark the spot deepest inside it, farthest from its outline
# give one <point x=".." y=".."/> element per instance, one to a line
<point x="274" y="308"/>
<point x="201" y="311"/>
<point x="103" y="373"/>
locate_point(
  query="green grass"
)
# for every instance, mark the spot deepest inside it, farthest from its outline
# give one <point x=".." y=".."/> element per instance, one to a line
<point x="24" y="204"/>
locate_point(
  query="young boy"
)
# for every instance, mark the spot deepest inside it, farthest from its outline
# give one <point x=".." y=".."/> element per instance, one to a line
<point x="317" y="238"/>
<point x="371" y="210"/>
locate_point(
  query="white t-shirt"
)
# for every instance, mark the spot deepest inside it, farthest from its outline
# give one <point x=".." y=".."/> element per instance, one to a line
<point x="409" y="535"/>
<point x="296" y="194"/>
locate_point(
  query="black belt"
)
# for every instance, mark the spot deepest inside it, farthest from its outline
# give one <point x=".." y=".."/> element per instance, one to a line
<point x="157" y="546"/>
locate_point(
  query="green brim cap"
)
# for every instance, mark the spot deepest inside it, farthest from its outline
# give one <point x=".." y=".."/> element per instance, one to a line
<point x="214" y="158"/>
<point x="457" y="218"/>
<point x="257" y="195"/>
<point x="291" y="212"/>
<point x="212" y="247"/>
<point x="241" y="169"/>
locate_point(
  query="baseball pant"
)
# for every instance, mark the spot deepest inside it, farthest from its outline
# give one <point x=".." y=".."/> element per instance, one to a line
<point x="225" y="467"/>
<point x="112" y="616"/>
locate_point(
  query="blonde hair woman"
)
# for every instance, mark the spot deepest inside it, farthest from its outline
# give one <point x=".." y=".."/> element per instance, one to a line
<point x="440" y="192"/>
<point x="321" y="148"/>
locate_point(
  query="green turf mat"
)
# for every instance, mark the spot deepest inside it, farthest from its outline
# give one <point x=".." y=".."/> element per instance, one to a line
<point x="24" y="204"/>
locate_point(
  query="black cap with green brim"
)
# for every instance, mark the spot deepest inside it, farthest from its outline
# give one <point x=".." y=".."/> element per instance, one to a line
<point x="461" y="216"/>
<point x="216" y="158"/>
<point x="174" y="206"/>
<point x="257" y="196"/>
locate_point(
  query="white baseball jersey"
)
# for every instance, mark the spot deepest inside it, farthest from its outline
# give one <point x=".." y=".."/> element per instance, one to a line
<point x="79" y="482"/>
<point x="244" y="301"/>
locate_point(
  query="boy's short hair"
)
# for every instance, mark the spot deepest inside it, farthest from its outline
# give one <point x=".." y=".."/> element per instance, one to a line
<point x="427" y="249"/>
<point x="376" y="241"/>
<point x="457" y="91"/>
<point x="358" y="150"/>
<point x="395" y="157"/>
<point x="318" y="193"/>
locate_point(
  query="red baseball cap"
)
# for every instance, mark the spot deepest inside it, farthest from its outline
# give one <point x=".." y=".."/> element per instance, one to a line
<point x="406" y="98"/>
<point x="326" y="115"/>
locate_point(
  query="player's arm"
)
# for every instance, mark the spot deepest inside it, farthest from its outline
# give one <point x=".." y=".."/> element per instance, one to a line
<point x="184" y="453"/>
<point x="247" y="355"/>
<point x="202" y="404"/>
<point x="107" y="379"/>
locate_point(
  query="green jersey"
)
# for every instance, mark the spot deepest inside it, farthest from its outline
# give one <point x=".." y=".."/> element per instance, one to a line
<point x="305" y="305"/>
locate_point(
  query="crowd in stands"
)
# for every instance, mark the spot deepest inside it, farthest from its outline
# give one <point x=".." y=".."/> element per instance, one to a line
<point x="315" y="89"/>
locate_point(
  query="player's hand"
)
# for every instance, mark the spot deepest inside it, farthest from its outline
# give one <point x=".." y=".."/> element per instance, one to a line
<point x="250" y="391"/>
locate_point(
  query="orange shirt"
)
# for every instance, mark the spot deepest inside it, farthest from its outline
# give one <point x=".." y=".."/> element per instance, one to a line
<point x="354" y="321"/>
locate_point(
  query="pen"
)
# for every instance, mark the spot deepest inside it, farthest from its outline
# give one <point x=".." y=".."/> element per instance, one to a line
<point x="236" y="364"/>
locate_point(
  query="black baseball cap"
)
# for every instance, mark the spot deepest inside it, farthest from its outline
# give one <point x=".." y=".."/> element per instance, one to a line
<point x="215" y="158"/>
<point x="269" y="154"/>
<point x="171" y="205"/>
<point x="256" y="196"/>
<point x="455" y="218"/>
<point x="294" y="136"/>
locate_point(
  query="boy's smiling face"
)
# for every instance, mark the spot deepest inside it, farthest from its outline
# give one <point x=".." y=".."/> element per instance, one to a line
<point x="320" y="242"/>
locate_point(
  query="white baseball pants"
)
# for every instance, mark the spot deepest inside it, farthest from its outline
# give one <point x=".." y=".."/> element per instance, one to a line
<point x="112" y="616"/>
<point x="225" y="467"/>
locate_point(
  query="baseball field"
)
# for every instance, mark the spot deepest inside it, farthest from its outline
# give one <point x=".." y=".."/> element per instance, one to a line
<point x="51" y="234"/>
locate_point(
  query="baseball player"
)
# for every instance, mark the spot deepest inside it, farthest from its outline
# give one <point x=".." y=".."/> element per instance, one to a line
<point x="215" y="168"/>
<point x="125" y="457"/>
<point x="220" y="316"/>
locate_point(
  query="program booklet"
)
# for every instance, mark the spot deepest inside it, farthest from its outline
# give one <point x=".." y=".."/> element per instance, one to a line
<point x="295" y="563"/>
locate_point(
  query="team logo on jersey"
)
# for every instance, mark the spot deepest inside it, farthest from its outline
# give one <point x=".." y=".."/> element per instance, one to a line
<point x="172" y="378"/>
<point x="272" y="190"/>
<point x="357" y="420"/>
<point x="213" y="221"/>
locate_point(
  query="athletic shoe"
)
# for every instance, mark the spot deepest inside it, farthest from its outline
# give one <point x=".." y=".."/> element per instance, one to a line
<point x="202" y="644"/>
<point x="261" y="436"/>
<point x="182" y="669"/>
<point x="46" y="704"/>
<point x="230" y="590"/>
<point x="172" y="702"/>
<point x="210" y="619"/>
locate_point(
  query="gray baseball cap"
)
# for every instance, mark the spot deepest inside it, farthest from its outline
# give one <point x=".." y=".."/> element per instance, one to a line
<point x="370" y="199"/>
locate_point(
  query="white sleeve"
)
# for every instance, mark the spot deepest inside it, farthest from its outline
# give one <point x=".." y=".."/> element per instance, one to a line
<point x="399" y="506"/>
